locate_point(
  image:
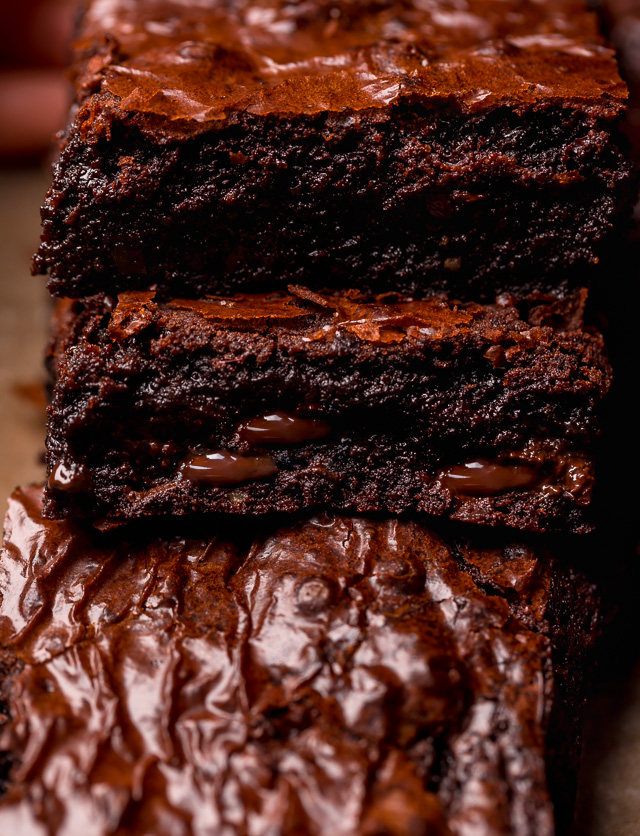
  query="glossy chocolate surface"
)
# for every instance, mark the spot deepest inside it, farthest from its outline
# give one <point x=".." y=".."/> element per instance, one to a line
<point x="223" y="467"/>
<point x="71" y="479"/>
<point x="282" y="428"/>
<point x="194" y="64"/>
<point x="487" y="478"/>
<point x="337" y="676"/>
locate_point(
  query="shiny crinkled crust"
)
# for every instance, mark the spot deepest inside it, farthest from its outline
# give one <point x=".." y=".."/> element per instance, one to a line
<point x="193" y="65"/>
<point x="337" y="676"/>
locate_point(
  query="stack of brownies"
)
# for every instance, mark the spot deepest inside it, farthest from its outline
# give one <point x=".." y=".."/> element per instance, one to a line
<point x="322" y="271"/>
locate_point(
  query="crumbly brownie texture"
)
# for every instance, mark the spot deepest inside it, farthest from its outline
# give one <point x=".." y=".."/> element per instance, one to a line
<point x="339" y="676"/>
<point x="258" y="404"/>
<point x="217" y="147"/>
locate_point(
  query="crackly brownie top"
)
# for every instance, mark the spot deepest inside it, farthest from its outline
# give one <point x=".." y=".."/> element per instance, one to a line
<point x="309" y="324"/>
<point x="385" y="319"/>
<point x="196" y="64"/>
<point x="336" y="676"/>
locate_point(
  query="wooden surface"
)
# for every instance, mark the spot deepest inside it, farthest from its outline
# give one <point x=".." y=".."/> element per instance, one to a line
<point x="609" y="798"/>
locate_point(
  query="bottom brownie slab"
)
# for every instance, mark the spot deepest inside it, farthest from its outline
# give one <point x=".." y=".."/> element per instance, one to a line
<point x="337" y="676"/>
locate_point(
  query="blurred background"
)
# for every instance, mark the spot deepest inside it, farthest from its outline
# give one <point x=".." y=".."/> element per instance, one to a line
<point x="34" y="39"/>
<point x="34" y="99"/>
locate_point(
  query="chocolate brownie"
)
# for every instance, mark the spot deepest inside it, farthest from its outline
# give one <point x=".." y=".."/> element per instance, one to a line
<point x="339" y="676"/>
<point x="252" y="404"/>
<point x="223" y="147"/>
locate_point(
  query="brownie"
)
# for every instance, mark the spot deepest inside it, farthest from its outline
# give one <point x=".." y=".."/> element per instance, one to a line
<point x="240" y="146"/>
<point x="252" y="404"/>
<point x="336" y="676"/>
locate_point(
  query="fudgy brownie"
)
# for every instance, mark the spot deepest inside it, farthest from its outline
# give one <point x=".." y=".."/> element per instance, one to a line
<point x="339" y="676"/>
<point x="222" y="147"/>
<point x="251" y="404"/>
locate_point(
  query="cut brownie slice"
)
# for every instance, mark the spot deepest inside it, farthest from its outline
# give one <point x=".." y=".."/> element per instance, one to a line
<point x="253" y="404"/>
<point x="340" y="676"/>
<point x="235" y="146"/>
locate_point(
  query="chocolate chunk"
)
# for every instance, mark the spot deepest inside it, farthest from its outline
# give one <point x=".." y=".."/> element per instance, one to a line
<point x="222" y="468"/>
<point x="486" y="478"/>
<point x="68" y="478"/>
<point x="282" y="428"/>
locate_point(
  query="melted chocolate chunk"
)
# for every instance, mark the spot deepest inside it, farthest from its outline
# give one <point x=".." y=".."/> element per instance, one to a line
<point x="223" y="468"/>
<point x="486" y="478"/>
<point x="282" y="428"/>
<point x="68" y="478"/>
